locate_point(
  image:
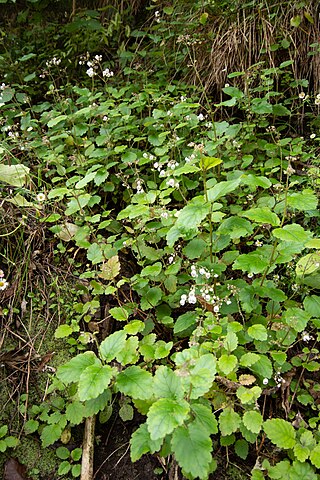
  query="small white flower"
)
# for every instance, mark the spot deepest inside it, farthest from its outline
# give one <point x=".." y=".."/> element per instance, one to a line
<point x="3" y="284"/>
<point x="317" y="101"/>
<point x="156" y="165"/>
<point x="107" y="73"/>
<point x="207" y="275"/>
<point x="228" y="302"/>
<point x="183" y="299"/>
<point x="41" y="197"/>
<point x="250" y="275"/>
<point x="258" y="243"/>
<point x="170" y="259"/>
<point x="305" y="337"/>
<point x="215" y="275"/>
<point x="105" y="118"/>
<point x="207" y="298"/>
<point x="202" y="271"/>
<point x="312" y="136"/>
<point x="200" y="117"/>
<point x="1" y="273"/>
<point x="90" y="72"/>
<point x="162" y="173"/>
<point x="170" y="182"/>
<point x="216" y="308"/>
<point x="226" y="85"/>
<point x="164" y="215"/>
<point x="302" y="95"/>
<point x="265" y="381"/>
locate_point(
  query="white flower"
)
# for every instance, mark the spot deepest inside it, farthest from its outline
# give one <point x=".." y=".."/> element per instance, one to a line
<point x="183" y="299"/>
<point x="156" y="165"/>
<point x="170" y="259"/>
<point x="317" y="101"/>
<point x="202" y="271"/>
<point x="207" y="298"/>
<point x="1" y="273"/>
<point x="305" y="337"/>
<point x="200" y="117"/>
<point x="170" y="182"/>
<point x="98" y="58"/>
<point x="312" y="136"/>
<point x="265" y="381"/>
<point x="250" y="275"/>
<point x="302" y="95"/>
<point x="164" y="215"/>
<point x="228" y="302"/>
<point x="3" y="284"/>
<point x="258" y="243"/>
<point x="105" y="118"/>
<point x="216" y="308"/>
<point x="162" y="173"/>
<point x="90" y="72"/>
<point x="107" y="73"/>
<point x="41" y="197"/>
<point x="207" y="275"/>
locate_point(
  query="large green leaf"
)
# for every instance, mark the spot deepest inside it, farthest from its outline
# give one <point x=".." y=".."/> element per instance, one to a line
<point x="251" y="262"/>
<point x="222" y="189"/>
<point x="135" y="382"/>
<point x="192" y="215"/>
<point x="252" y="420"/>
<point x="292" y="233"/>
<point x="94" y="380"/>
<point x="112" y="345"/>
<point x="71" y="371"/>
<point x="204" y="418"/>
<point x="308" y="264"/>
<point x="192" y="448"/>
<point x="296" y="318"/>
<point x="141" y="443"/>
<point x="306" y="200"/>
<point x="262" y="215"/>
<point x="167" y="384"/>
<point x="229" y="421"/>
<point x="165" y="415"/>
<point x="280" y="432"/>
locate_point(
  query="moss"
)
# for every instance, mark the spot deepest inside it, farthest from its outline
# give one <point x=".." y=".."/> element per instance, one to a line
<point x="40" y="463"/>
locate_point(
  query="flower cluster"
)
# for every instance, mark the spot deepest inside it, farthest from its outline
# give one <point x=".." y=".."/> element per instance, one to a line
<point x="53" y="62"/>
<point x="3" y="282"/>
<point x="139" y="186"/>
<point x="94" y="65"/>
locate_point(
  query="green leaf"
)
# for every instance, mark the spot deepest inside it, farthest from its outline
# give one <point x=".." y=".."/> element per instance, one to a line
<point x="129" y="353"/>
<point x="11" y="441"/>
<point x="15" y="175"/>
<point x="292" y="233"/>
<point x="165" y="415"/>
<point x="167" y="384"/>
<point x="295" y="21"/>
<point x="248" y="395"/>
<point x="31" y="426"/>
<point x="312" y="305"/>
<point x="262" y="215"/>
<point x="227" y="363"/>
<point x="204" y="418"/>
<point x="301" y="452"/>
<point x="50" y="434"/>
<point x="252" y="420"/>
<point x="94" y="253"/>
<point x="280" y="432"/>
<point x="209" y="162"/>
<point x="119" y="313"/>
<point x="63" y="331"/>
<point x="231" y="341"/>
<point x="251" y="262"/>
<point x="93" y="406"/>
<point x="192" y="449"/>
<point x="280" y="110"/>
<point x="296" y="318"/>
<point x="185" y="321"/>
<point x="249" y="359"/>
<point x="151" y="270"/>
<point x="229" y="421"/>
<point x="75" y="412"/>
<point x="54" y="121"/>
<point x="258" y="332"/>
<point x="151" y="299"/>
<point x="71" y="371"/>
<point x="315" y="456"/>
<point x="94" y="380"/>
<point x="135" y="382"/>
<point x="64" y="468"/>
<point x="308" y="264"/>
<point x="262" y="367"/>
<point x="195" y="248"/>
<point x="76" y="454"/>
<point x="126" y="412"/>
<point x="306" y="200"/>
<point x="241" y="448"/>
<point x="62" y="453"/>
<point x="222" y="189"/>
<point x="141" y="443"/>
<point x="202" y="375"/>
<point x="192" y="215"/>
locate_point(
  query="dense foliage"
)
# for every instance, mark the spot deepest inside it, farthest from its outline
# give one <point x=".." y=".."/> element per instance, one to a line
<point x="190" y="227"/>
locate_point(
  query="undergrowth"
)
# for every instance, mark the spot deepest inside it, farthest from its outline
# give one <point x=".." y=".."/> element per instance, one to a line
<point x="170" y="239"/>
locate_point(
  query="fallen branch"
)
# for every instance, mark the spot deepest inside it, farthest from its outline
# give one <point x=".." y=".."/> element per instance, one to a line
<point x="88" y="449"/>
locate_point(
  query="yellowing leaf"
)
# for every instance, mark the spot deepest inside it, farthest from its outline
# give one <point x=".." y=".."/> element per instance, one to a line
<point x="111" y="269"/>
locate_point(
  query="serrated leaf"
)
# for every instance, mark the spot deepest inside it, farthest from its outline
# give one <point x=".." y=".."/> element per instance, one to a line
<point x="64" y="468"/>
<point x="262" y="215"/>
<point x="231" y="341"/>
<point x="296" y="318"/>
<point x="151" y="270"/>
<point x="31" y="426"/>
<point x="165" y="415"/>
<point x="280" y="432"/>
<point x="167" y="384"/>
<point x="249" y="359"/>
<point x="129" y="353"/>
<point x="185" y="321"/>
<point x="204" y="418"/>
<point x="258" y="332"/>
<point x="229" y="421"/>
<point x="222" y="189"/>
<point x="262" y="367"/>
<point x="63" y="331"/>
<point x="304" y="201"/>
<point x="292" y="233"/>
<point x="202" y="375"/>
<point x="71" y="371"/>
<point x="135" y="383"/>
<point x="110" y="269"/>
<point x="119" y="313"/>
<point x="312" y="305"/>
<point x="251" y="262"/>
<point x="301" y="452"/>
<point x="93" y="406"/>
<point x="195" y="248"/>
<point x="192" y="215"/>
<point x="111" y="346"/>
<point x="63" y="453"/>
<point x="151" y="298"/>
<point x="93" y="381"/>
<point x="252" y="420"/>
<point x="246" y="379"/>
<point x="227" y="363"/>
<point x="315" y="456"/>
<point x="141" y="443"/>
<point x="50" y="434"/>
<point x="192" y="449"/>
<point x="75" y="412"/>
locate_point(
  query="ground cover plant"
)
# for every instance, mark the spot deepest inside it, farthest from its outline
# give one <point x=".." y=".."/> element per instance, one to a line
<point x="180" y="235"/>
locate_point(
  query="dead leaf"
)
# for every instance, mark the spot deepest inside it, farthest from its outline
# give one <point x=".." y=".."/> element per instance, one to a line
<point x="111" y="269"/>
